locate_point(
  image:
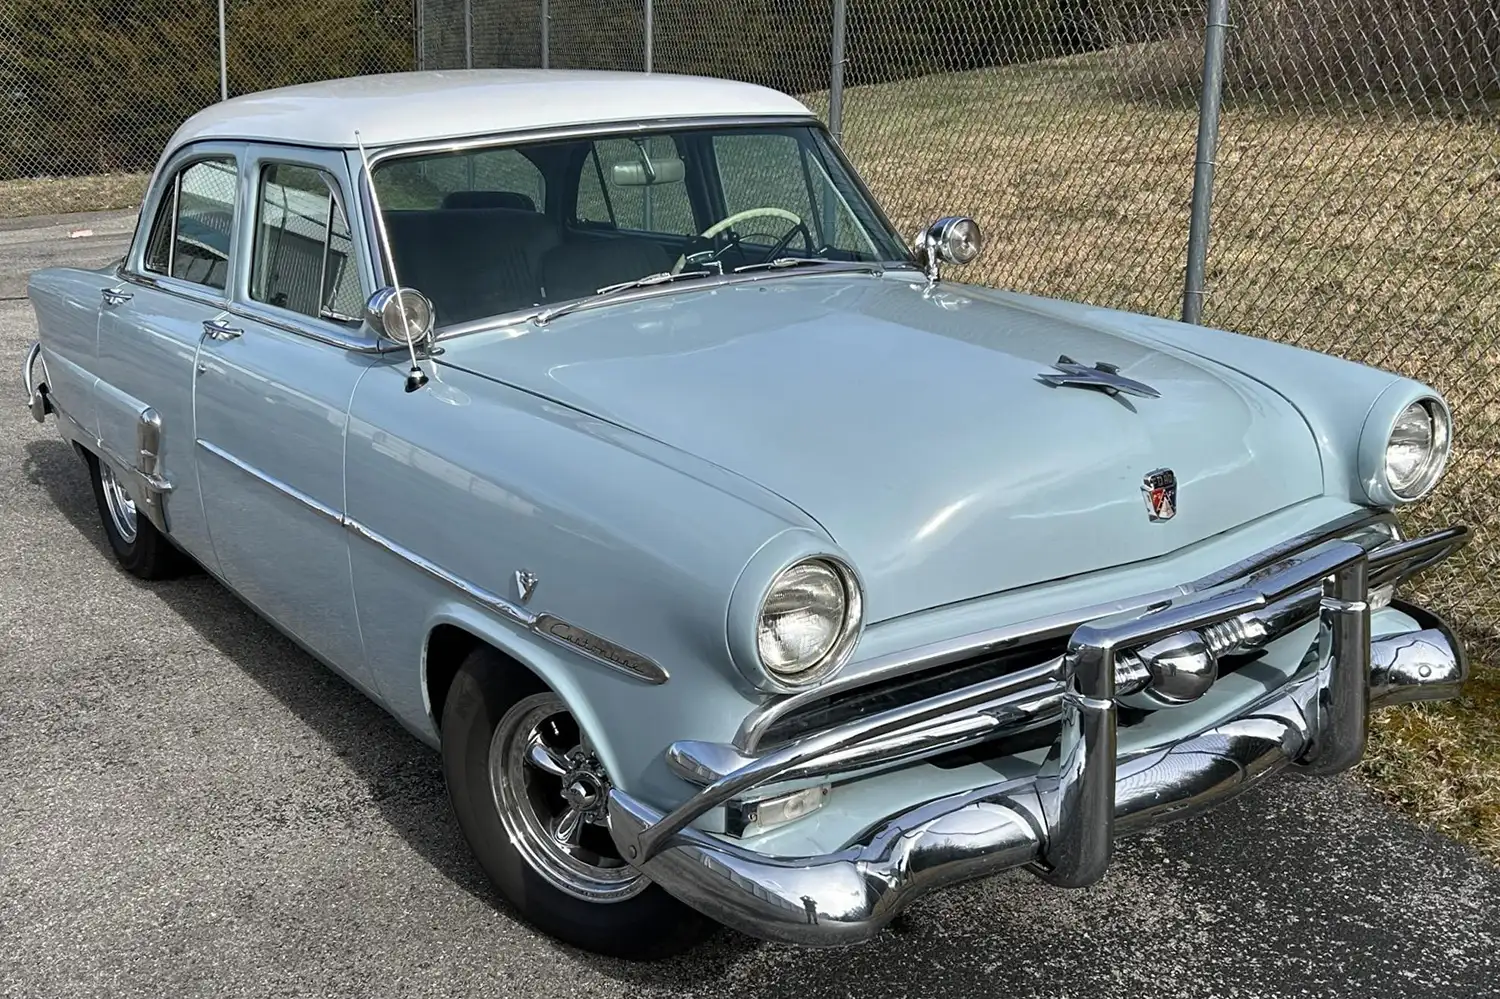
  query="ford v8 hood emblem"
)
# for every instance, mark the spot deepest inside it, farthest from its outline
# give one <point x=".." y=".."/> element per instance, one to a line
<point x="1104" y="377"/>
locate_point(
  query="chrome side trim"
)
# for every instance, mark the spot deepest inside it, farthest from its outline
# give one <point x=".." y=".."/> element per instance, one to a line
<point x="554" y="629"/>
<point x="478" y="594"/>
<point x="286" y="489"/>
<point x="598" y="649"/>
<point x="753" y="729"/>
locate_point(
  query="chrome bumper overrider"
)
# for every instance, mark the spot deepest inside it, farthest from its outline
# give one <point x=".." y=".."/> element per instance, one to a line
<point x="1063" y="821"/>
<point x="36" y="391"/>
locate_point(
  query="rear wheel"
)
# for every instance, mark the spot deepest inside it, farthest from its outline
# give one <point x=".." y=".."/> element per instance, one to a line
<point x="531" y="797"/>
<point x="141" y="549"/>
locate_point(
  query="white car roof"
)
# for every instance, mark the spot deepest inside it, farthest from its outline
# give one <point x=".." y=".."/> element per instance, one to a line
<point x="400" y="108"/>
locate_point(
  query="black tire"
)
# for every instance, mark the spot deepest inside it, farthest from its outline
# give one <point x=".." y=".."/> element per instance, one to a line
<point x="648" y="925"/>
<point x="145" y="552"/>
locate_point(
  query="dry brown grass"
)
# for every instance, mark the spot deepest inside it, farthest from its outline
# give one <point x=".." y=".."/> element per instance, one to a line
<point x="58" y="195"/>
<point x="1369" y="232"/>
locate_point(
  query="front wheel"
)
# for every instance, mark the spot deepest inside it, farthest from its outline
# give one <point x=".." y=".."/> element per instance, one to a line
<point x="531" y="796"/>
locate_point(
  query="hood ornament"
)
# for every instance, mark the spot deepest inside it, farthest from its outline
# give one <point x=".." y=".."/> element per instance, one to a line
<point x="1159" y="488"/>
<point x="1103" y="377"/>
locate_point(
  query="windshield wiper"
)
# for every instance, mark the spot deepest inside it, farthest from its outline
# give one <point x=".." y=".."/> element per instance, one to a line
<point x="665" y="277"/>
<point x="781" y="263"/>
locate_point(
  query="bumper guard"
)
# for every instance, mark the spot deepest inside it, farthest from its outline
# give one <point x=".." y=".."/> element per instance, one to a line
<point x="1062" y="823"/>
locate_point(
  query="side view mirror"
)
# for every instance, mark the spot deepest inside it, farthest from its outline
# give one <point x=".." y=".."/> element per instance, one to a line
<point x="400" y="314"/>
<point x="953" y="240"/>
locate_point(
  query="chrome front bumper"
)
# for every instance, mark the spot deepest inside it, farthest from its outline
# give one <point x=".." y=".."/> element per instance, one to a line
<point x="1063" y="821"/>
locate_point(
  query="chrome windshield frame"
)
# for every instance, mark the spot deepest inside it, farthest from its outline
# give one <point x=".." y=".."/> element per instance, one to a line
<point x="362" y="181"/>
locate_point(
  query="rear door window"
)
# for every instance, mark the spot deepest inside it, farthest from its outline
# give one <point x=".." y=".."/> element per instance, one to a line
<point x="191" y="233"/>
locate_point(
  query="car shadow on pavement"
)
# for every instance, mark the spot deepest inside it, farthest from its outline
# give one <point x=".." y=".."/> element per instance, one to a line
<point x="404" y="776"/>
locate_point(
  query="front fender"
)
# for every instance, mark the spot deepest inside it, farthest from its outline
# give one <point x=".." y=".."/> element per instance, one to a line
<point x="456" y="488"/>
<point x="630" y="723"/>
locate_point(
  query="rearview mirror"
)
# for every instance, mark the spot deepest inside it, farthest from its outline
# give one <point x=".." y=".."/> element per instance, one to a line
<point x="648" y="171"/>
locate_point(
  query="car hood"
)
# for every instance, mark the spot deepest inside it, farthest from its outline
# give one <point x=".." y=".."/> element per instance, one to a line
<point x="913" y="427"/>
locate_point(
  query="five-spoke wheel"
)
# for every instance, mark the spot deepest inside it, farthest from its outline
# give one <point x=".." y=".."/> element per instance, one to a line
<point x="552" y="794"/>
<point x="531" y="795"/>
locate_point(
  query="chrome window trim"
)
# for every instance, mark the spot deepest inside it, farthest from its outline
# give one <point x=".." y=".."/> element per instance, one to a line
<point x="548" y="626"/>
<point x="755" y="724"/>
<point x="363" y="181"/>
<point x="188" y="290"/>
<point x="611" y="128"/>
<point x="331" y="164"/>
<point x="294" y="322"/>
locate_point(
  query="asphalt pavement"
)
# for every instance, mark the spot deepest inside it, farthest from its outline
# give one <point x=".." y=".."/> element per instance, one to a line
<point x="191" y="806"/>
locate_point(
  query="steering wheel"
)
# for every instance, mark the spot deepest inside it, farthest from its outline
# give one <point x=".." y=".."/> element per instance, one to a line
<point x="754" y="213"/>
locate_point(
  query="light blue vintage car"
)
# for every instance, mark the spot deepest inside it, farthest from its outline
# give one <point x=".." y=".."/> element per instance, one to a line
<point x="743" y="567"/>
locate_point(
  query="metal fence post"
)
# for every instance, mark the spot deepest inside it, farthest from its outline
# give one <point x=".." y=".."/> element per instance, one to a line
<point x="468" y="34"/>
<point x="836" y="70"/>
<point x="546" y="34"/>
<point x="421" y="35"/>
<point x="648" y="13"/>
<point x="1203" y="169"/>
<point x="223" y="58"/>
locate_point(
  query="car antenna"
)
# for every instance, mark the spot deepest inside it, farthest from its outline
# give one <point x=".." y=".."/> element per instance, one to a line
<point x="416" y="377"/>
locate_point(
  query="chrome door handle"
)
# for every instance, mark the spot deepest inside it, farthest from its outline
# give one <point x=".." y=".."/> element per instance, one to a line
<point x="218" y="329"/>
<point x="113" y="296"/>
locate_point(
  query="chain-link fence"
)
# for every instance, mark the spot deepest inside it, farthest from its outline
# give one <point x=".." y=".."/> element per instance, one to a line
<point x="96" y="86"/>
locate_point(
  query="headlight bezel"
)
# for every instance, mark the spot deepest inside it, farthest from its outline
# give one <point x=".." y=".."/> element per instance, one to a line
<point x="850" y="625"/>
<point x="753" y="585"/>
<point x="1380" y="430"/>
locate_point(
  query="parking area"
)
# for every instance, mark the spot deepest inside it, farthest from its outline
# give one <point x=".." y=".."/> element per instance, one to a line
<point x="189" y="805"/>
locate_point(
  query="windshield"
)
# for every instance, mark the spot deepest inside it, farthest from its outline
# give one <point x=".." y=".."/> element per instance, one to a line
<point x="494" y="229"/>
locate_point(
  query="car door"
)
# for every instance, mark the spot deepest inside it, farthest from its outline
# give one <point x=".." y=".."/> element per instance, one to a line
<point x="273" y="383"/>
<point x="173" y="279"/>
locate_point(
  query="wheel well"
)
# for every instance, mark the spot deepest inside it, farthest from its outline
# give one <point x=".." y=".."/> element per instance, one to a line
<point x="447" y="648"/>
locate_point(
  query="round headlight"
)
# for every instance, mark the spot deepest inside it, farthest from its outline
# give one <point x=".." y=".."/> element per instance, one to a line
<point x="1417" y="450"/>
<point x="808" y="621"/>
